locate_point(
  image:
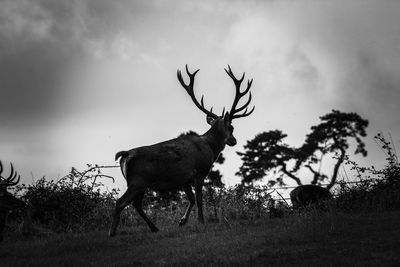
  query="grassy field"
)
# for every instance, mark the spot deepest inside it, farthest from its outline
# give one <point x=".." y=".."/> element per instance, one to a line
<point x="329" y="239"/>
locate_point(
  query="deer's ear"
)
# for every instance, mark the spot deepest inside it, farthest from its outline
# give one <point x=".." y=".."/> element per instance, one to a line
<point x="210" y="120"/>
<point x="226" y="117"/>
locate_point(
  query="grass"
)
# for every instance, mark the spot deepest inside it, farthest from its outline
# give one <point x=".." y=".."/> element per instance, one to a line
<point x="327" y="239"/>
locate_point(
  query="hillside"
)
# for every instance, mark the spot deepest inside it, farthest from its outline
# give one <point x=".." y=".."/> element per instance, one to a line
<point x="334" y="239"/>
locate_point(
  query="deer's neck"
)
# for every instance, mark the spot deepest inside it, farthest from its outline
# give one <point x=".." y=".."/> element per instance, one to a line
<point x="215" y="140"/>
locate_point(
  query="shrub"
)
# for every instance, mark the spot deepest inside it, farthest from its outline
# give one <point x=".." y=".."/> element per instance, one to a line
<point x="74" y="203"/>
<point x="77" y="202"/>
<point x="243" y="202"/>
<point x="376" y="189"/>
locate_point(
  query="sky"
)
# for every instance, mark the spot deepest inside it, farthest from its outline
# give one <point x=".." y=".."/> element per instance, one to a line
<point x="82" y="80"/>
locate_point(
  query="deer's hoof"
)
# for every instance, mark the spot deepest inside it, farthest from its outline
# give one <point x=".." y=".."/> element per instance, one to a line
<point x="183" y="221"/>
<point x="111" y="233"/>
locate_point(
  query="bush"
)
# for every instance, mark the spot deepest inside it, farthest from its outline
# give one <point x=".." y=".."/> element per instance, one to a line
<point x="74" y="203"/>
<point x="77" y="203"/>
<point x="376" y="189"/>
<point x="243" y="202"/>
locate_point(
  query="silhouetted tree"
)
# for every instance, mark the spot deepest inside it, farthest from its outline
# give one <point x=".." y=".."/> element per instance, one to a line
<point x="332" y="136"/>
<point x="267" y="153"/>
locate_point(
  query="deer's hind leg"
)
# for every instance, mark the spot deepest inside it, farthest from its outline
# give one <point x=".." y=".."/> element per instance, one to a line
<point x="137" y="203"/>
<point x="198" y="185"/>
<point x="190" y="196"/>
<point x="126" y="199"/>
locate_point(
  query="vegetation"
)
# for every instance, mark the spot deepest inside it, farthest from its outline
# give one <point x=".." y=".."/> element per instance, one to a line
<point x="76" y="202"/>
<point x="376" y="189"/>
<point x="336" y="239"/>
<point x="241" y="227"/>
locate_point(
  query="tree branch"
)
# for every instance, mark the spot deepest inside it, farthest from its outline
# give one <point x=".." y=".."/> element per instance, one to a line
<point x="336" y="168"/>
<point x="285" y="171"/>
<point x="316" y="174"/>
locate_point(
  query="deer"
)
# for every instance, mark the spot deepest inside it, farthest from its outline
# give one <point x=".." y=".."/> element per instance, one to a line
<point x="9" y="202"/>
<point x="182" y="162"/>
<point x="310" y="194"/>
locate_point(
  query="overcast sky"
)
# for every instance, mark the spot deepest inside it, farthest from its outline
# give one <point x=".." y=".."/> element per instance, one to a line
<point x="81" y="80"/>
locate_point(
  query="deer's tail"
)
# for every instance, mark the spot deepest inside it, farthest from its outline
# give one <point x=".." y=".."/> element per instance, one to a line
<point x="121" y="154"/>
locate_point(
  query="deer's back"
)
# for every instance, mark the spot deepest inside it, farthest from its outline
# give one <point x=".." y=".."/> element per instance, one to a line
<point x="170" y="164"/>
<point x="308" y="194"/>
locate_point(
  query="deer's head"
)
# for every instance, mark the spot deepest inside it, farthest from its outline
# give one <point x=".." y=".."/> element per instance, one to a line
<point x="7" y="200"/>
<point x="222" y="125"/>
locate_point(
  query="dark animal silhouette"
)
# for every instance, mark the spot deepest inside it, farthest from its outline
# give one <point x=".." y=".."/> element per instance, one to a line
<point x="180" y="162"/>
<point x="307" y="195"/>
<point x="9" y="202"/>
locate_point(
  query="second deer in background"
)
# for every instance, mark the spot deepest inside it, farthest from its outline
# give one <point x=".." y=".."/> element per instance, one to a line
<point x="8" y="202"/>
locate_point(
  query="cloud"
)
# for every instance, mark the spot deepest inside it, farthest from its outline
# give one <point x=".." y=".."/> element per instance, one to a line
<point x="39" y="46"/>
<point x="98" y="66"/>
<point x="345" y="49"/>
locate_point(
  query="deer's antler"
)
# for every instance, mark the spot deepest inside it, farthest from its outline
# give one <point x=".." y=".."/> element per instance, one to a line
<point x="11" y="180"/>
<point x="189" y="90"/>
<point x="238" y="95"/>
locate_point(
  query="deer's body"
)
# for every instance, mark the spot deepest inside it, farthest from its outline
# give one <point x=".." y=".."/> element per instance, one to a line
<point x="9" y="202"/>
<point x="168" y="165"/>
<point x="306" y="195"/>
<point x="180" y="162"/>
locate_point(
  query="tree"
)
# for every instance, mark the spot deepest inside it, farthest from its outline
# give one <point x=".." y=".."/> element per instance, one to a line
<point x="332" y="136"/>
<point x="268" y="153"/>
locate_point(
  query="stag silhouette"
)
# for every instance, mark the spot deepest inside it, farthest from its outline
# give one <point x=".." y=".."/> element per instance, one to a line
<point x="180" y="162"/>
<point x="9" y="202"/>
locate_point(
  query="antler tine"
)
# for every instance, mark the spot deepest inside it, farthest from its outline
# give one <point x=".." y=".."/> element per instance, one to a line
<point x="249" y="83"/>
<point x="12" y="176"/>
<point x="239" y="95"/>
<point x="230" y="73"/>
<point x="245" y="105"/>
<point x="189" y="90"/>
<point x="11" y="172"/>
<point x="244" y="114"/>
<point x="10" y="180"/>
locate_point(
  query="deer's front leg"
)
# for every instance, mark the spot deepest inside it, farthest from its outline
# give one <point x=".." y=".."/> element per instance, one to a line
<point x="3" y="217"/>
<point x="199" y="198"/>
<point x="189" y="193"/>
